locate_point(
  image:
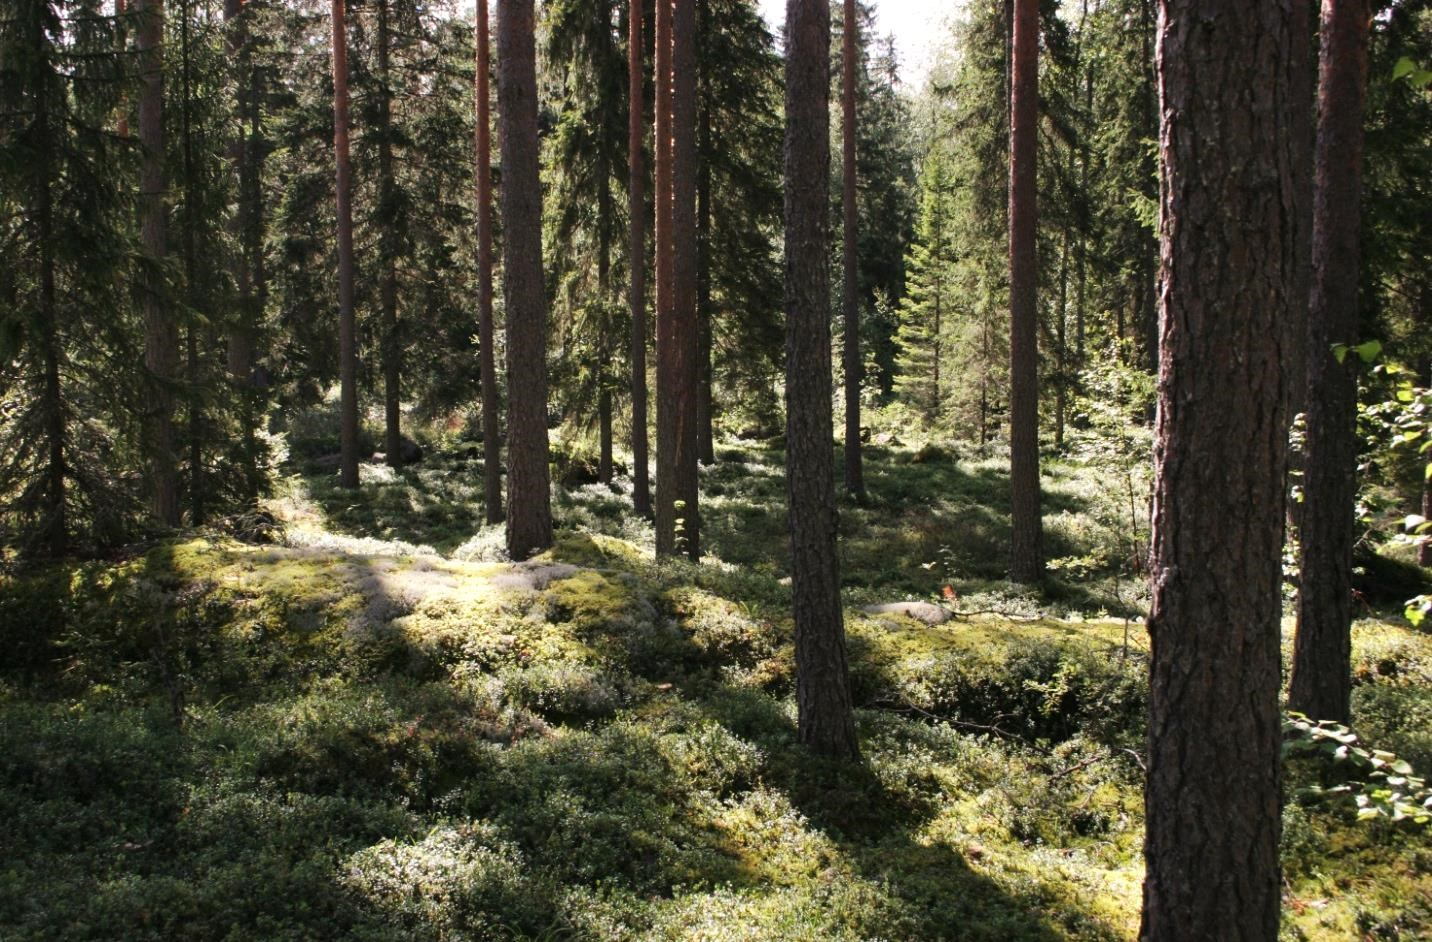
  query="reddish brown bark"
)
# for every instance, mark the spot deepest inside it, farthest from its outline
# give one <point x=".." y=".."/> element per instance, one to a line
<point x="1026" y="551"/>
<point x="487" y="363"/>
<point x="1228" y="249"/>
<point x="529" y="499"/>
<point x="161" y="334"/>
<point x="668" y="405"/>
<point x="347" y="326"/>
<point x="1321" y="684"/>
<point x="641" y="484"/>
<point x="825" y="719"/>
<point x="854" y="372"/>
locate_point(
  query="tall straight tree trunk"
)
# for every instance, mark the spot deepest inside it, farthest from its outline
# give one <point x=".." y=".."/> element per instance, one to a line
<point x="641" y="485"/>
<point x="55" y="532"/>
<point x="1061" y="364"/>
<point x="1026" y="553"/>
<point x="705" y="401"/>
<point x="854" y="365"/>
<point x="242" y="328"/>
<point x="161" y="335"/>
<point x="825" y="719"/>
<point x="1321" y="683"/>
<point x="677" y="329"/>
<point x="1303" y="27"/>
<point x="1228" y="228"/>
<point x="604" y="291"/>
<point x="388" y="251"/>
<point x="529" y="498"/>
<point x="491" y="442"/>
<point x="192" y="404"/>
<point x="347" y="325"/>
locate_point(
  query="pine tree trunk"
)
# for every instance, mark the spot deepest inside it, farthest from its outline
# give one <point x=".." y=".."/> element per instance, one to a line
<point x="54" y="537"/>
<point x="161" y="335"/>
<point x="604" y="292"/>
<point x="491" y="441"/>
<point x="677" y="335"/>
<point x="823" y="702"/>
<point x="529" y="499"/>
<point x="705" y="401"/>
<point x="666" y="407"/>
<point x="193" y="369"/>
<point x="641" y="485"/>
<point x="1061" y="387"/>
<point x="1213" y="794"/>
<point x="347" y="325"/>
<point x="1303" y="28"/>
<point x="1321" y="683"/>
<point x="854" y="366"/>
<point x="1026" y="556"/>
<point x="388" y="252"/>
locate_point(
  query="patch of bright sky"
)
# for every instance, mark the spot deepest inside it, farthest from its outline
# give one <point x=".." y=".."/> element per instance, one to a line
<point x="918" y="26"/>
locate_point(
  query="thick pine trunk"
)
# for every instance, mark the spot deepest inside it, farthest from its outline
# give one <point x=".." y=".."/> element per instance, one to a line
<point x="161" y="334"/>
<point x="347" y="325"/>
<point x="529" y="499"/>
<point x="1228" y="269"/>
<point x="487" y="357"/>
<point x="1026" y="552"/>
<point x="641" y="485"/>
<point x="388" y="252"/>
<point x="850" y="300"/>
<point x="823" y="702"/>
<point x="1321" y="683"/>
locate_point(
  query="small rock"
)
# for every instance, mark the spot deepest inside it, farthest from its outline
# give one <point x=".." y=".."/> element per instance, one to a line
<point x="927" y="612"/>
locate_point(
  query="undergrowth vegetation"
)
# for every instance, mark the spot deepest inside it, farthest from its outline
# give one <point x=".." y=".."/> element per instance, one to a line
<point x="376" y="728"/>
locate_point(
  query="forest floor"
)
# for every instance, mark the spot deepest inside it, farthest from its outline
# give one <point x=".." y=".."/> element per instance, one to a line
<point x="374" y="728"/>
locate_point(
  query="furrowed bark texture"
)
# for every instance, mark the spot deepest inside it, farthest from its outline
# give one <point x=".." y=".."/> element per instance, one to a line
<point x="347" y="325"/>
<point x="1026" y="553"/>
<point x="1228" y="253"/>
<point x="826" y="723"/>
<point x="641" y="484"/>
<point x="1321" y="683"/>
<point x="854" y="372"/>
<point x="161" y="333"/>
<point x="491" y="442"/>
<point x="529" y="502"/>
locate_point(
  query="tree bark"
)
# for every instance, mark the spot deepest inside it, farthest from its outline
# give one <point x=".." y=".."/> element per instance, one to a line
<point x="641" y="484"/>
<point x="487" y="363"/>
<point x="823" y="702"/>
<point x="192" y="404"/>
<point x="1026" y="552"/>
<point x="854" y="365"/>
<point x="388" y="251"/>
<point x="705" y="400"/>
<point x="161" y="334"/>
<point x="347" y="325"/>
<point x="1228" y="253"/>
<point x="529" y="499"/>
<point x="604" y="292"/>
<point x="1321" y="684"/>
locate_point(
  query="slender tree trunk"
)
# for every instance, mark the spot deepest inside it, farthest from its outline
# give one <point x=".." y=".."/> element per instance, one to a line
<point x="491" y="442"/>
<point x="388" y="251"/>
<point x="192" y="404"/>
<point x="641" y="485"/>
<point x="850" y="286"/>
<point x="1061" y="382"/>
<point x="825" y="719"/>
<point x="1321" y="683"/>
<point x="529" y="507"/>
<point x="54" y="536"/>
<point x="1228" y="258"/>
<point x="161" y="335"/>
<point x="1026" y="553"/>
<point x="705" y="401"/>
<point x="682" y="337"/>
<point x="347" y="325"/>
<point x="604" y="291"/>
<point x="1303" y="27"/>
